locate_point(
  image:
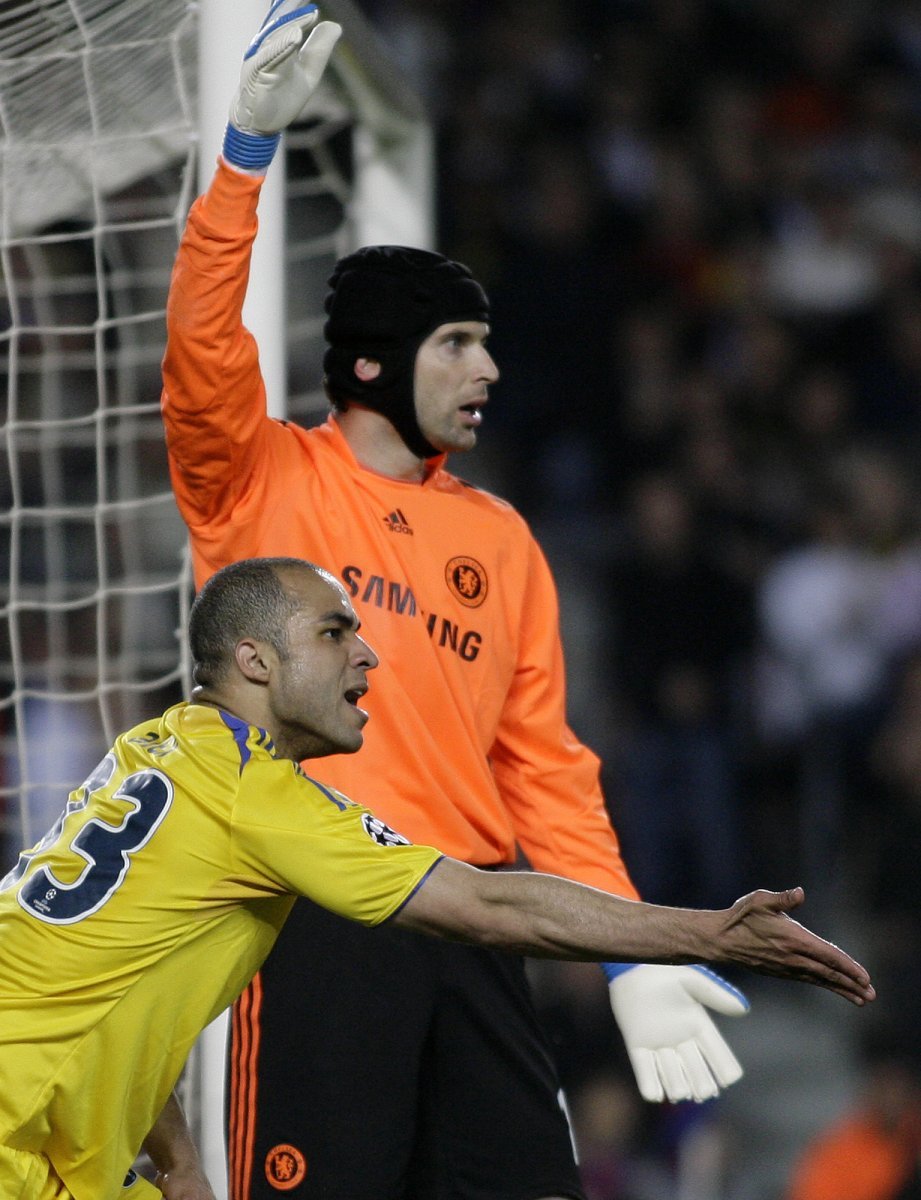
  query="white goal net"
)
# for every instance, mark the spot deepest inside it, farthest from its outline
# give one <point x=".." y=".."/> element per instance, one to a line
<point x="103" y="143"/>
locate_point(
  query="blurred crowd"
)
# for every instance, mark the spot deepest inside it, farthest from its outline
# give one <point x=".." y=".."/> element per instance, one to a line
<point x="699" y="222"/>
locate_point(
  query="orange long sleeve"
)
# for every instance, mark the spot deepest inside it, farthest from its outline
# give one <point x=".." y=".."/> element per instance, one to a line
<point x="468" y="746"/>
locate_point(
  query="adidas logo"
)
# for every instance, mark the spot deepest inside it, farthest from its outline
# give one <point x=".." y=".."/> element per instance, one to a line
<point x="396" y="522"/>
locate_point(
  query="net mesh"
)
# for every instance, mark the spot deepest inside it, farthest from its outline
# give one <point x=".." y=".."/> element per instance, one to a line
<point x="98" y="150"/>
<point x="97" y="171"/>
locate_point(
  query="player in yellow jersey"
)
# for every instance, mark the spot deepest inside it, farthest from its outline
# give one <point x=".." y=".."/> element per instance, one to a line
<point x="152" y="902"/>
<point x="146" y="909"/>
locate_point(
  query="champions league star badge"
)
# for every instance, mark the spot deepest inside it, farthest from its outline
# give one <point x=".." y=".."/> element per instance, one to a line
<point x="379" y="832"/>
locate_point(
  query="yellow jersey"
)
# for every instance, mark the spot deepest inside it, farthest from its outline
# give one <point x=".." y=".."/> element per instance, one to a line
<point x="146" y="910"/>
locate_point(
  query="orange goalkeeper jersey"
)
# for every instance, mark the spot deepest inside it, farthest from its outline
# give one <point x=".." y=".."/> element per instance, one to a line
<point x="468" y="747"/>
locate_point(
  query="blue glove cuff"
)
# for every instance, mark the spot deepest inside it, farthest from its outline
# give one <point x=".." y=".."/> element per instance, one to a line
<point x="612" y="970"/>
<point x="253" y="151"/>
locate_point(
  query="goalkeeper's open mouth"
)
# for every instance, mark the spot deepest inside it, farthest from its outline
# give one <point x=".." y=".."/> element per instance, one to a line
<point x="474" y="412"/>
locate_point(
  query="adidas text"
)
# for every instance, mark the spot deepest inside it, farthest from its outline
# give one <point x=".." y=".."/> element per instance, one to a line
<point x="396" y="522"/>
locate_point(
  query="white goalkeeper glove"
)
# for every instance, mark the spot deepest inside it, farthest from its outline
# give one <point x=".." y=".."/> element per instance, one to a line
<point x="281" y="69"/>
<point x="675" y="1049"/>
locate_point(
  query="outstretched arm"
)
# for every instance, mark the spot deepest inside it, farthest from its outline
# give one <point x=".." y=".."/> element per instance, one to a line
<point x="543" y="916"/>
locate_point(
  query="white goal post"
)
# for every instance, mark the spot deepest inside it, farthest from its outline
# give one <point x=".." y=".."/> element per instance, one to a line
<point x="111" y="114"/>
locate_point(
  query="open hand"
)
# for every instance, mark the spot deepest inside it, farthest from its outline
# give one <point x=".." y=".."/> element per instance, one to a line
<point x="760" y="935"/>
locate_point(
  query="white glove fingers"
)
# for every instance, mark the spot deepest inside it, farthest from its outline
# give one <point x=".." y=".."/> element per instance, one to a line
<point x="276" y="81"/>
<point x="279" y="9"/>
<point x="674" y="1077"/>
<point x="698" y="1072"/>
<point x="279" y="47"/>
<point x="672" y="1041"/>
<point x="647" y="1076"/>
<point x="723" y="1063"/>
<point x="288" y="18"/>
<point x="315" y="52"/>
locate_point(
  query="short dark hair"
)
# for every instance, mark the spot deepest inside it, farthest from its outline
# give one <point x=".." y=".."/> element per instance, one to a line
<point x="245" y="599"/>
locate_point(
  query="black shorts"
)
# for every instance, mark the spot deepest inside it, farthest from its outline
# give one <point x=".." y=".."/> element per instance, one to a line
<point x="384" y="1065"/>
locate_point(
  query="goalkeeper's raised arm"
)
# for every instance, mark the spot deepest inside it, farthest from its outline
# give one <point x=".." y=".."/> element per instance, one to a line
<point x="214" y="403"/>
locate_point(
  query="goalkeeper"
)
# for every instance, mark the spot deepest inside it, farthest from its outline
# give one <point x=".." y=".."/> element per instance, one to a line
<point x="469" y="749"/>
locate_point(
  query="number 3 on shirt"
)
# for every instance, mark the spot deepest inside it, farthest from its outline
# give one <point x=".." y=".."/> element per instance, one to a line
<point x="107" y="850"/>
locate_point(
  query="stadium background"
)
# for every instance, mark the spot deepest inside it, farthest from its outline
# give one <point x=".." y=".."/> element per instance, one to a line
<point x="700" y="225"/>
